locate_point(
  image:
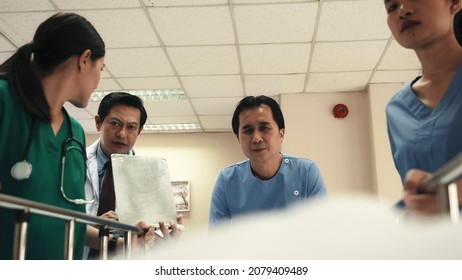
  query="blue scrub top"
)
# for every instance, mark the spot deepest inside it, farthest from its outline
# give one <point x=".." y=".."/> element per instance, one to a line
<point x="421" y="137"/>
<point x="237" y="191"/>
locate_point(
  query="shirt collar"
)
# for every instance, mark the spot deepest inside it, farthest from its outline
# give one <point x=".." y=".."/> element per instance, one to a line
<point x="101" y="158"/>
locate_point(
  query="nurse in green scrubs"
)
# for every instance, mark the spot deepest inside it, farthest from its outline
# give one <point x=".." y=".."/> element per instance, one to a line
<point x="62" y="63"/>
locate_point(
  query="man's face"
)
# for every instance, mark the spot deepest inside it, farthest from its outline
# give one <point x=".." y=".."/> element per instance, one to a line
<point x="259" y="135"/>
<point x="119" y="130"/>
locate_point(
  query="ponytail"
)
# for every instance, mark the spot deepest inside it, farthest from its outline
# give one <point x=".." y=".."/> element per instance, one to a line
<point x="25" y="84"/>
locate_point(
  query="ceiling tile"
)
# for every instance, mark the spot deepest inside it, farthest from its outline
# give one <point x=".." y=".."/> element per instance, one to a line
<point x="276" y="23"/>
<point x="138" y="62"/>
<point x="5" y="45"/>
<point x="25" y="5"/>
<point x="108" y="84"/>
<point x="167" y="108"/>
<point x="20" y="28"/>
<point x="173" y="120"/>
<point x="122" y="28"/>
<point x="190" y="44"/>
<point x="106" y="73"/>
<point x="193" y="25"/>
<point x="92" y="4"/>
<point x="213" y="86"/>
<point x="338" y="82"/>
<point x="92" y="108"/>
<point x="353" y="20"/>
<point x="215" y="106"/>
<point x="399" y="58"/>
<point x="216" y="123"/>
<point x="274" y="84"/>
<point x="395" y="76"/>
<point x="149" y="83"/>
<point x="80" y="113"/>
<point x="205" y="60"/>
<point x="275" y="59"/>
<point x="4" y="56"/>
<point x="172" y="3"/>
<point x="269" y="1"/>
<point x="88" y="126"/>
<point x="346" y="56"/>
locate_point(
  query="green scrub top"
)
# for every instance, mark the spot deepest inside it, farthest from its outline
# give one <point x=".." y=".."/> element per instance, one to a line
<point x="45" y="235"/>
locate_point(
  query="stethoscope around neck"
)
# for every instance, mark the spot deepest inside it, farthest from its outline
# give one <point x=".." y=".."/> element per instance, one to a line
<point x="23" y="169"/>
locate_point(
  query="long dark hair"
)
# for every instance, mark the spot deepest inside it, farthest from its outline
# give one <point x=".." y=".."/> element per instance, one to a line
<point x="58" y="38"/>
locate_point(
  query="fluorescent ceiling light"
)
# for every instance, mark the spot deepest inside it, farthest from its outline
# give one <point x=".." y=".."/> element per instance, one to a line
<point x="179" y="127"/>
<point x="154" y="95"/>
<point x="145" y="95"/>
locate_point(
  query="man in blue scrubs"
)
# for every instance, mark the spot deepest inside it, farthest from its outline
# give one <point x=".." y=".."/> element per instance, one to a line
<point x="268" y="179"/>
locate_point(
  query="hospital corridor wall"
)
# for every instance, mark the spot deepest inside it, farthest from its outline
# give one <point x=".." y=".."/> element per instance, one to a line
<point x="353" y="153"/>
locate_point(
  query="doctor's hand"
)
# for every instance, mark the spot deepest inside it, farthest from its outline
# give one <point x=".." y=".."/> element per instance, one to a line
<point x="110" y="215"/>
<point x="165" y="235"/>
<point x="145" y="235"/>
<point x="425" y="204"/>
<point x="171" y="232"/>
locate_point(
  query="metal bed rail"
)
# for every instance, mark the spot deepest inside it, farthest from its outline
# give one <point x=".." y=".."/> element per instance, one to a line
<point x="442" y="182"/>
<point x="26" y="207"/>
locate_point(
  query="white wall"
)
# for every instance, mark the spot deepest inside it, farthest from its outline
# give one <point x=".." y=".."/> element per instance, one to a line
<point x="353" y="153"/>
<point x="387" y="182"/>
<point x="340" y="146"/>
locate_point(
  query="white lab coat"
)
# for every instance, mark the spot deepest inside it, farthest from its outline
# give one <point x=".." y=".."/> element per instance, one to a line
<point x="92" y="184"/>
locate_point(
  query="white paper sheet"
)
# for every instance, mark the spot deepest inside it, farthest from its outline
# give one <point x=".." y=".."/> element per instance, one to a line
<point x="143" y="189"/>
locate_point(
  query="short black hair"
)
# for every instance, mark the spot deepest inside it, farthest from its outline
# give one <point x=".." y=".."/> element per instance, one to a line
<point x="254" y="102"/>
<point x="124" y="98"/>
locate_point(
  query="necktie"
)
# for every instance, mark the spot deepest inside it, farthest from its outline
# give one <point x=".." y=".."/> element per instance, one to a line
<point x="107" y="196"/>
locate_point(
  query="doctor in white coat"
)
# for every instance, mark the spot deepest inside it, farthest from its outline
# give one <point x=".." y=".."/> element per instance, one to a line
<point x="119" y="121"/>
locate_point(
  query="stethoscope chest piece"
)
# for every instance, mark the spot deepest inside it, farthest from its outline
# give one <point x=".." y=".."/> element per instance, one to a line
<point x="21" y="170"/>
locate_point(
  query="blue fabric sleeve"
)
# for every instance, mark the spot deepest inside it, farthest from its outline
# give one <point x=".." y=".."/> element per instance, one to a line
<point x="219" y="211"/>
<point x="318" y="189"/>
